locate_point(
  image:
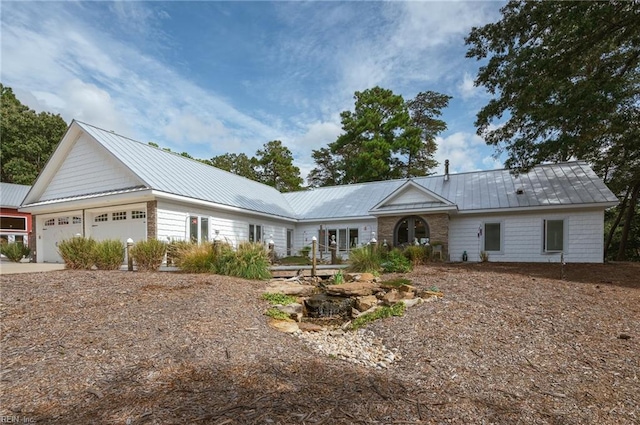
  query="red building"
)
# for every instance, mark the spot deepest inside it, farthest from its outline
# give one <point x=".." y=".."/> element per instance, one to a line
<point x="15" y="226"/>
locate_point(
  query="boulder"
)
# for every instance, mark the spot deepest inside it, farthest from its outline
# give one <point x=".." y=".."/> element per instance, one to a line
<point x="287" y="326"/>
<point x="291" y="288"/>
<point x="353" y="289"/>
<point x="392" y="297"/>
<point x="364" y="303"/>
<point x="294" y="310"/>
<point x="360" y="277"/>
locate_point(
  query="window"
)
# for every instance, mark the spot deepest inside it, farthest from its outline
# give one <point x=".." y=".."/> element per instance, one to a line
<point x="77" y="220"/>
<point x="492" y="237"/>
<point x="63" y="221"/>
<point x="101" y="217"/>
<point x="345" y="238"/>
<point x="553" y="235"/>
<point x="409" y="229"/>
<point x="13" y="223"/>
<point x="118" y="216"/>
<point x="255" y="233"/>
<point x="138" y="214"/>
<point x="50" y="222"/>
<point x="198" y="229"/>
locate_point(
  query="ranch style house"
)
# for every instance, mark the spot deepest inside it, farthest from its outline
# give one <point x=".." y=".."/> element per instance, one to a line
<point x="102" y="185"/>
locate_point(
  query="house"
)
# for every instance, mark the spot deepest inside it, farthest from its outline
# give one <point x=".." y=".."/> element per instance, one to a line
<point x="103" y="185"/>
<point x="15" y="226"/>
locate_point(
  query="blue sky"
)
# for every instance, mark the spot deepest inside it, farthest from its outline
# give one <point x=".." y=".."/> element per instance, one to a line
<point x="215" y="77"/>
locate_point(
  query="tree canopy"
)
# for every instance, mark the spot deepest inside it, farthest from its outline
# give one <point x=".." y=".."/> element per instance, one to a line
<point x="274" y="167"/>
<point x="566" y="83"/>
<point x="239" y="164"/>
<point x="28" y="139"/>
<point x="383" y="138"/>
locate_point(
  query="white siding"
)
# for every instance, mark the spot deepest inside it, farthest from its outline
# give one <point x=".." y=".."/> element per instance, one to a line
<point x="304" y="233"/>
<point x="410" y="196"/>
<point x="522" y="237"/>
<point x="88" y="169"/>
<point x="233" y="228"/>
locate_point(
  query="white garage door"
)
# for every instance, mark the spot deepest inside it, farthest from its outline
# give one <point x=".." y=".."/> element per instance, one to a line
<point x="122" y="224"/>
<point x="55" y="229"/>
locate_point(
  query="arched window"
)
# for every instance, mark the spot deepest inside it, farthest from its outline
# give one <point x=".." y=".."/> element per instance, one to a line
<point x="408" y="229"/>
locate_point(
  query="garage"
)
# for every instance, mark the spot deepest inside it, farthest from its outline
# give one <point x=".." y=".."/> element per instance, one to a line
<point x="54" y="229"/>
<point x="121" y="223"/>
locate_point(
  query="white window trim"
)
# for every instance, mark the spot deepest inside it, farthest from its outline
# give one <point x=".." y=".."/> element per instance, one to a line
<point x="199" y="226"/>
<point x="565" y="234"/>
<point x="484" y="233"/>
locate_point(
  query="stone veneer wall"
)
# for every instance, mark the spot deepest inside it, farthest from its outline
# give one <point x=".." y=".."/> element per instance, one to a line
<point x="438" y="229"/>
<point x="152" y="220"/>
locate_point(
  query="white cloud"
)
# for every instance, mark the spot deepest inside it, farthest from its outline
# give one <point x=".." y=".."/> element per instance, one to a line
<point x="467" y="88"/>
<point x="461" y="149"/>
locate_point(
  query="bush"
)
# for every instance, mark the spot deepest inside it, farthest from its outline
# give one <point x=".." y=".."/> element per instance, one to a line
<point x="417" y="254"/>
<point x="396" y="262"/>
<point x="196" y="258"/>
<point x="364" y="260"/>
<point x="108" y="254"/>
<point x="77" y="252"/>
<point x="250" y="261"/>
<point x="14" y="251"/>
<point x="175" y="248"/>
<point x="148" y="255"/>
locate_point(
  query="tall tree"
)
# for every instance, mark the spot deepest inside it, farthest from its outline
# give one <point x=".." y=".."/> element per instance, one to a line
<point x="566" y="76"/>
<point x="274" y="166"/>
<point x="328" y="170"/>
<point x="424" y="110"/>
<point x="239" y="164"/>
<point x="383" y="138"/>
<point x="28" y="139"/>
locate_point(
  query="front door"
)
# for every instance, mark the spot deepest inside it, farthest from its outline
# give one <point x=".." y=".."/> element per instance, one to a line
<point x="409" y="230"/>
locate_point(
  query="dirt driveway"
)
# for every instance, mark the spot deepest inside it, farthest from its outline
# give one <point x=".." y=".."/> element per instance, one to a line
<point x="508" y="344"/>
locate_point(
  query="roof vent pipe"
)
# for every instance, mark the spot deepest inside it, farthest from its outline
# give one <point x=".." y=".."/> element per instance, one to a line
<point x="446" y="170"/>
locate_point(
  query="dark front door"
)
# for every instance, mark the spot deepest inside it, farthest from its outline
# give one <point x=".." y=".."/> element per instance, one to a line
<point x="409" y="229"/>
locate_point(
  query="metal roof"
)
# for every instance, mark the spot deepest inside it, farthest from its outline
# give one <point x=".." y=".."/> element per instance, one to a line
<point x="174" y="174"/>
<point x="12" y="195"/>
<point x="550" y="185"/>
<point x="564" y="184"/>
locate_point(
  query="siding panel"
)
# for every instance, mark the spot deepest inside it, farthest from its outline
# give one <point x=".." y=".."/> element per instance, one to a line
<point x="88" y="169"/>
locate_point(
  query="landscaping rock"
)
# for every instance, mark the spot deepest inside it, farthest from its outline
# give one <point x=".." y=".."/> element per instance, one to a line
<point x="366" y="302"/>
<point x="291" y="288"/>
<point x="353" y="289"/>
<point x="294" y="310"/>
<point x="287" y="326"/>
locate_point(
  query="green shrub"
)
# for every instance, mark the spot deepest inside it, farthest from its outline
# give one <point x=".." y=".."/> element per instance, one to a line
<point x="14" y="251"/>
<point x="108" y="254"/>
<point x="196" y="258"/>
<point x="396" y="262"/>
<point x="364" y="260"/>
<point x="78" y="252"/>
<point x="281" y="299"/>
<point x="250" y="261"/>
<point x="380" y="313"/>
<point x="148" y="255"/>
<point x="175" y="248"/>
<point x="417" y="254"/>
<point x="338" y="278"/>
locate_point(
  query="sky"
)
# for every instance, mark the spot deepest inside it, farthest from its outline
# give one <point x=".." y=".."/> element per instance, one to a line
<point x="209" y="77"/>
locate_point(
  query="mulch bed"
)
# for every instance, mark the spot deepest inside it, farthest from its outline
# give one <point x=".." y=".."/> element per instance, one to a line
<point x="508" y="343"/>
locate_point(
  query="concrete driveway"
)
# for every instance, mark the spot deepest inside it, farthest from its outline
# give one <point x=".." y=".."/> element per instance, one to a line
<point x="9" y="267"/>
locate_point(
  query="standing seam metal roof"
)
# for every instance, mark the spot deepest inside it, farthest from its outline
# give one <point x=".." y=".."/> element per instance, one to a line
<point x="565" y="184"/>
<point x="571" y="183"/>
<point x="12" y="195"/>
<point x="174" y="174"/>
